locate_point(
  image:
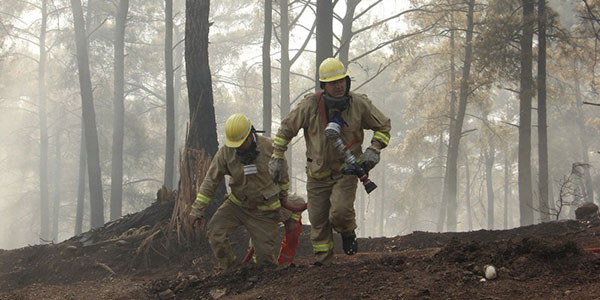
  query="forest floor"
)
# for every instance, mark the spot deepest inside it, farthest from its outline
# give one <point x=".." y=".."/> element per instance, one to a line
<point x="134" y="258"/>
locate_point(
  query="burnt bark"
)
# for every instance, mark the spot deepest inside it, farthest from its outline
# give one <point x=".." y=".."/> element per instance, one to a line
<point x="202" y="133"/>
<point x="525" y="95"/>
<point x="542" y="119"/>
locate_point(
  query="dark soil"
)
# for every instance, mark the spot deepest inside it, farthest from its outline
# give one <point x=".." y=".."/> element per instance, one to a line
<point x="138" y="257"/>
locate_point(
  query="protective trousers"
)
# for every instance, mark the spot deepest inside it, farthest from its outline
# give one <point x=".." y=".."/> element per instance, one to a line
<point x="262" y="226"/>
<point x="330" y="206"/>
<point x="290" y="244"/>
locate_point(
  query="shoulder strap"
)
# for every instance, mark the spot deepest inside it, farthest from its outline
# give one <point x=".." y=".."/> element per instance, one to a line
<point x="321" y="105"/>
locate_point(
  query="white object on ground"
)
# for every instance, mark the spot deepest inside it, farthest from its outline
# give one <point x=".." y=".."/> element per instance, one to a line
<point x="490" y="272"/>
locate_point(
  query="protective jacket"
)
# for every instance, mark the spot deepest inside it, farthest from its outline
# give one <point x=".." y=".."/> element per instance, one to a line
<point x="322" y="157"/>
<point x="256" y="191"/>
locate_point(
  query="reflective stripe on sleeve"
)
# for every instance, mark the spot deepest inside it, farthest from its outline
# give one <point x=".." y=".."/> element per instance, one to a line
<point x="295" y="216"/>
<point x="203" y="199"/>
<point x="384" y="138"/>
<point x="279" y="141"/>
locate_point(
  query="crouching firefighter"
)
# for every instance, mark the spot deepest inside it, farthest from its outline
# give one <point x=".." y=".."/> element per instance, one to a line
<point x="254" y="201"/>
<point x="331" y="182"/>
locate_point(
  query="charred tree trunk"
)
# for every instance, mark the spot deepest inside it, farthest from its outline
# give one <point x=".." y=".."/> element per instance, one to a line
<point x="116" y="178"/>
<point x="525" y="94"/>
<point x="450" y="181"/>
<point x="324" y="37"/>
<point x="542" y="120"/>
<point x="44" y="201"/>
<point x="266" y="68"/>
<point x="202" y="135"/>
<point x="89" y="118"/>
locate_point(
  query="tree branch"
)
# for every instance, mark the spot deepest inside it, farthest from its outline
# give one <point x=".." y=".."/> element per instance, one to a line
<point x="142" y="87"/>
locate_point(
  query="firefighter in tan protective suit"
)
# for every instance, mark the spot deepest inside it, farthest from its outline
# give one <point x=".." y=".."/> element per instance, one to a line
<point x="331" y="194"/>
<point x="254" y="201"/>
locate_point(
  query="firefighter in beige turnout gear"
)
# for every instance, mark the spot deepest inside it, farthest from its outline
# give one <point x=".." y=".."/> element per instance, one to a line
<point x="331" y="194"/>
<point x="254" y="201"/>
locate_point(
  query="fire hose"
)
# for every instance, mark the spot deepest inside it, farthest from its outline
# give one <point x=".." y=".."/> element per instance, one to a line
<point x="352" y="167"/>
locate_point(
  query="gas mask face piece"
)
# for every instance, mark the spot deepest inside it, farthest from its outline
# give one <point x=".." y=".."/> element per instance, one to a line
<point x="247" y="157"/>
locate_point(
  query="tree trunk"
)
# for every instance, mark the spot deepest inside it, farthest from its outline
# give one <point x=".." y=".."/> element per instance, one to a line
<point x="490" y="157"/>
<point x="57" y="180"/>
<point x="468" y="193"/>
<point x="382" y="201"/>
<point x="450" y="181"/>
<point x="444" y="204"/>
<point x="542" y="122"/>
<point x="266" y="68"/>
<point x="285" y="74"/>
<point x="170" y="97"/>
<point x="202" y="133"/>
<point x="347" y="33"/>
<point x="361" y="213"/>
<point x="89" y="118"/>
<point x="506" y="187"/>
<point x="44" y="201"/>
<point x="177" y="83"/>
<point x="116" y="178"/>
<point x="525" y="94"/>
<point x="81" y="183"/>
<point x="583" y="138"/>
<point x="324" y="38"/>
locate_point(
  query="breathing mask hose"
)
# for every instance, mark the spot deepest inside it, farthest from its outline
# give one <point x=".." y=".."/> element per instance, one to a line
<point x="333" y="133"/>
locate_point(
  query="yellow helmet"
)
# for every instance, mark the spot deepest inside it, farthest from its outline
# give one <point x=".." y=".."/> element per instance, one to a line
<point x="237" y="129"/>
<point x="331" y="69"/>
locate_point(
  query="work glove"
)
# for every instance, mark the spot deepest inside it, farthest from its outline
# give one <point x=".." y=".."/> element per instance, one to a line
<point x="196" y="217"/>
<point x="276" y="168"/>
<point x="369" y="159"/>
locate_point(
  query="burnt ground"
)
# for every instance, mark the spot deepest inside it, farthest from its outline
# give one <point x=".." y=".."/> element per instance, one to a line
<point x="138" y="257"/>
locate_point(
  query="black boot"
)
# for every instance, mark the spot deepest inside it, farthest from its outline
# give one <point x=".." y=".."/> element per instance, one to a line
<point x="349" y="243"/>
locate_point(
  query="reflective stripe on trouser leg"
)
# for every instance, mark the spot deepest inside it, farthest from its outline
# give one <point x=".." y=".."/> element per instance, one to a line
<point x="321" y="234"/>
<point x="223" y="222"/>
<point x="263" y="228"/>
<point x="341" y="214"/>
